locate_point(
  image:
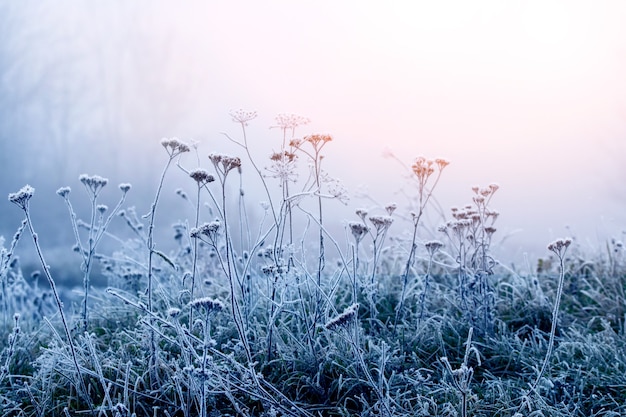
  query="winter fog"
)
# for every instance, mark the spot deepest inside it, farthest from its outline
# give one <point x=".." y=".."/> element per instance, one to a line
<point x="530" y="95"/>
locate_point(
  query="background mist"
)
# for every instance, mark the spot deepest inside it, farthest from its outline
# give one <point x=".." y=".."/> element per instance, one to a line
<point x="530" y="95"/>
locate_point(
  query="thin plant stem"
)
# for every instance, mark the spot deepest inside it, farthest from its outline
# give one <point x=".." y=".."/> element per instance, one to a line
<point x="59" y="304"/>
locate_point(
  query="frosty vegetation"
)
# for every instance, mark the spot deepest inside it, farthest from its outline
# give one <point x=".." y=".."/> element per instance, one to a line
<point x="272" y="315"/>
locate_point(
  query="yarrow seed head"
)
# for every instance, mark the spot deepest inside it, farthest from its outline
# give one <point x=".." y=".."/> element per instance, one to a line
<point x="381" y="222"/>
<point x="207" y="303"/>
<point x="226" y="162"/>
<point x="390" y="208"/>
<point x="125" y="187"/>
<point x="207" y="229"/>
<point x="22" y="197"/>
<point x="64" y="191"/>
<point x="174" y="147"/>
<point x="559" y="246"/>
<point x="362" y="213"/>
<point x="433" y="246"/>
<point x="201" y="176"/>
<point x="318" y="139"/>
<point x="422" y="168"/>
<point x="93" y="183"/>
<point x="358" y="230"/>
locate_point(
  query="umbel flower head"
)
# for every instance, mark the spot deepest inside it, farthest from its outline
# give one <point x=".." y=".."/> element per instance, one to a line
<point x="201" y="176"/>
<point x="208" y="304"/>
<point x="242" y="116"/>
<point x="64" y="191"/>
<point x="22" y="197"/>
<point x="207" y="229"/>
<point x="225" y="163"/>
<point x="93" y="183"/>
<point x="559" y="246"/>
<point x="290" y="121"/>
<point x="174" y="146"/>
<point x="358" y="230"/>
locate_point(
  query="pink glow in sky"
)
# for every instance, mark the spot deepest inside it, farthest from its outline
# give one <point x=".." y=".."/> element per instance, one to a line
<point x="527" y="94"/>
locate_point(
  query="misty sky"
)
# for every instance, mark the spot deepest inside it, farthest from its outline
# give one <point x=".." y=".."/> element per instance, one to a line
<point x="528" y="94"/>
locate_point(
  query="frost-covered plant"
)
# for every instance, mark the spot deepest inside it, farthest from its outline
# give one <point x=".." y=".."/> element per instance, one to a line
<point x="558" y="247"/>
<point x="22" y="200"/>
<point x="96" y="228"/>
<point x="461" y="377"/>
<point x="470" y="234"/>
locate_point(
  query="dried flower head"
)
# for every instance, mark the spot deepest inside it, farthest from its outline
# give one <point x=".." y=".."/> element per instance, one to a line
<point x="208" y="304"/>
<point x="381" y="222"/>
<point x="490" y="230"/>
<point x="64" y="191"/>
<point x="390" y="208"/>
<point x="207" y="229"/>
<point x="174" y="147"/>
<point x="358" y="230"/>
<point x="422" y="168"/>
<point x="201" y="176"/>
<point x="433" y="246"/>
<point x="242" y="116"/>
<point x="102" y="208"/>
<point x="290" y="121"/>
<point x="283" y="166"/>
<point x="344" y="319"/>
<point x="441" y="163"/>
<point x="559" y="246"/>
<point x="362" y="213"/>
<point x="318" y="139"/>
<point x="225" y="163"/>
<point x="22" y="197"/>
<point x="125" y="187"/>
<point x="93" y="183"/>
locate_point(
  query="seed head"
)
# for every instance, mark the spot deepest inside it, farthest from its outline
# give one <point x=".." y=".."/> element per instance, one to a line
<point x="344" y="319"/>
<point x="317" y="139"/>
<point x="362" y="213"/>
<point x="22" y="197"/>
<point x="242" y="116"/>
<point x="209" y="304"/>
<point x="125" y="187"/>
<point x="174" y="147"/>
<point x="390" y="208"/>
<point x="224" y="162"/>
<point x="422" y="168"/>
<point x="358" y="230"/>
<point x="290" y="121"/>
<point x="64" y="191"/>
<point x="441" y="163"/>
<point x="93" y="183"/>
<point x="201" y="176"/>
<point x="490" y="230"/>
<point x="433" y="246"/>
<point x="207" y="229"/>
<point x="559" y="246"/>
<point x="381" y="222"/>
